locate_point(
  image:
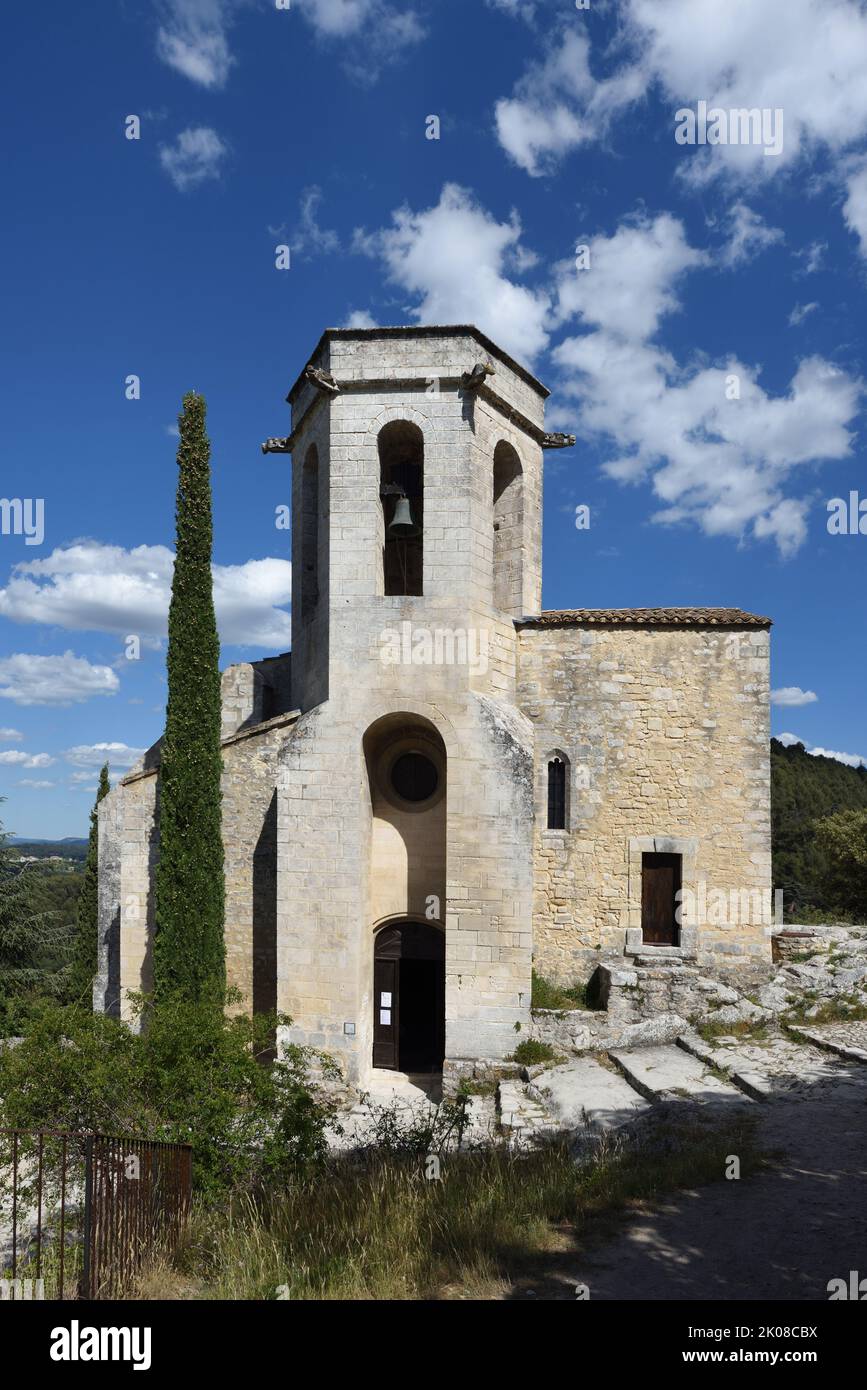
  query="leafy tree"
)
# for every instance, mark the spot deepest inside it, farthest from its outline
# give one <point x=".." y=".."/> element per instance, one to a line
<point x="193" y="1075"/>
<point x="85" y="957"/>
<point x="33" y="947"/>
<point x="842" y="842"/>
<point x="189" y="952"/>
<point x="805" y="789"/>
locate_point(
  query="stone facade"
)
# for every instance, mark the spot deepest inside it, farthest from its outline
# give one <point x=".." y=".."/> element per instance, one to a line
<point x="667" y="736"/>
<point x="660" y="716"/>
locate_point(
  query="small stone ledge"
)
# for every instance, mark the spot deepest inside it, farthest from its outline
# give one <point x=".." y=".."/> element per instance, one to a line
<point x="488" y="1070"/>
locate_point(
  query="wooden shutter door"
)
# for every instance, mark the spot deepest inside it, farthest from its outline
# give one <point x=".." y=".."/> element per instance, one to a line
<point x="385" y="1013"/>
<point x="660" y="883"/>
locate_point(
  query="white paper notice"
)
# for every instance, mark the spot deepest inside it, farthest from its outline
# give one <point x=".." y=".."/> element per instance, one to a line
<point x="385" y="1016"/>
<point x="385" y="1001"/>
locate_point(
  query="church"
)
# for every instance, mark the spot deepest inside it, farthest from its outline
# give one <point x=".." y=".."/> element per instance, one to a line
<point x="444" y="787"/>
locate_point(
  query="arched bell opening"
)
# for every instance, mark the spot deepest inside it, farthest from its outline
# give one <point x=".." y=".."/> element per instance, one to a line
<point x="401" y="490"/>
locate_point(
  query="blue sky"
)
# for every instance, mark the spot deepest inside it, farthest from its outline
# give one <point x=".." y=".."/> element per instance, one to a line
<point x="709" y="356"/>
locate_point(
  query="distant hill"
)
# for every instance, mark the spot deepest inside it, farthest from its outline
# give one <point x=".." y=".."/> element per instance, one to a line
<point x="803" y="789"/>
<point x="69" y="848"/>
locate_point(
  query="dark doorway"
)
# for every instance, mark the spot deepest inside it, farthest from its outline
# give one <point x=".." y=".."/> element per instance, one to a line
<point x="409" y="998"/>
<point x="660" y="885"/>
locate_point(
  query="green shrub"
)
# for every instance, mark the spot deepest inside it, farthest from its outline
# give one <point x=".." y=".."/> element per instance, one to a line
<point x="195" y="1075"/>
<point x="546" y="995"/>
<point x="531" y="1051"/>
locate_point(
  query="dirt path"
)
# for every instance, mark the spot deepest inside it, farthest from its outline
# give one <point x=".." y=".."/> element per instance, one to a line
<point x="780" y="1235"/>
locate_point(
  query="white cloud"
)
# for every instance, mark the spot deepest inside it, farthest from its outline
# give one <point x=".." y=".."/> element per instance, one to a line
<point x="793" y="695"/>
<point x="777" y="54"/>
<point x="337" y="18"/>
<point x="378" y="32"/>
<point x="53" y="680"/>
<point x="194" y="158"/>
<point x="193" y="39"/>
<point x="855" y="206"/>
<point x="453" y="259"/>
<point x="630" y="282"/>
<point x="17" y="759"/>
<point x="749" y="234"/>
<point x="10" y="736"/>
<point x="34" y="783"/>
<point x="812" y="256"/>
<point x="720" y="462"/>
<point x="800" y="312"/>
<point x="360" y="318"/>
<point x="308" y="238"/>
<point x="93" y="755"/>
<point x="850" y="759"/>
<point x="104" y="588"/>
<point x="518" y="9"/>
<point x="553" y="109"/>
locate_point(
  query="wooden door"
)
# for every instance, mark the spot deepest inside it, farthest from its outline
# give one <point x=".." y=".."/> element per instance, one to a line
<point x="386" y="1021"/>
<point x="660" y="884"/>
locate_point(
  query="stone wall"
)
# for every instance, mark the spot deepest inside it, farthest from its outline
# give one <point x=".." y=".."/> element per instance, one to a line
<point x="129" y="852"/>
<point x="666" y="733"/>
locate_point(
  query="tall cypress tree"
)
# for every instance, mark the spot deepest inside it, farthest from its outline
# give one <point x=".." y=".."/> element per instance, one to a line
<point x="189" y="951"/>
<point x="85" y="958"/>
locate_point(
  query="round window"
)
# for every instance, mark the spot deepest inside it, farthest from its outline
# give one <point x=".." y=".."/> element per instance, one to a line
<point x="414" y="777"/>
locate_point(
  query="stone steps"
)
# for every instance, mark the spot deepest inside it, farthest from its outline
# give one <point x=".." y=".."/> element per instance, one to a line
<point x="521" y="1114"/>
<point x="585" y="1092"/>
<point x="666" y="1071"/>
<point x="745" y="1077"/>
<point x="600" y="1093"/>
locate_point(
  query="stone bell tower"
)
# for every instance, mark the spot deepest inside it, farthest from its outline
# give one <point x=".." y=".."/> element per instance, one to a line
<point x="405" y="795"/>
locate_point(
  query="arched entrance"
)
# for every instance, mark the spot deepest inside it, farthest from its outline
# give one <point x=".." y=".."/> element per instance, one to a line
<point x="409" y="988"/>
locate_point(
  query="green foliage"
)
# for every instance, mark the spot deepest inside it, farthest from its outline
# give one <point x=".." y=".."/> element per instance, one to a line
<point x="85" y="955"/>
<point x="805" y="790"/>
<point x="194" y="1076"/>
<point x="432" y="1129"/>
<point x="34" y="947"/>
<point x="546" y="995"/>
<point x="841" y="840"/>
<point x="531" y="1051"/>
<point x="189" y="952"/>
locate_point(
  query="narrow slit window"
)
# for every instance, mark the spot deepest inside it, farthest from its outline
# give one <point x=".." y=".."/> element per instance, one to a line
<point x="556" y="794"/>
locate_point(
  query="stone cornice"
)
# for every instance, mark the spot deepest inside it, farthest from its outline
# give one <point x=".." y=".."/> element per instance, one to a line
<point x="385" y="385"/>
<point x="239" y="736"/>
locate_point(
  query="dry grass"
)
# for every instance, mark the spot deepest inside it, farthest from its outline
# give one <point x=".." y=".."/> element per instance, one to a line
<point x="381" y="1230"/>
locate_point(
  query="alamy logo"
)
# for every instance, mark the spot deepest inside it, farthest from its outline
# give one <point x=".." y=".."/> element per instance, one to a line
<point x="738" y="125"/>
<point x="21" y="1290"/>
<point x="855" y="1289"/>
<point x="77" y="1343"/>
<point x="438" y="646"/>
<point x="847" y="518"/>
<point x="23" y="516"/>
<point x="732" y="907"/>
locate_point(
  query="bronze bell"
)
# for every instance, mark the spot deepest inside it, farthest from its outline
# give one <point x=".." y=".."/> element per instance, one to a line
<point x="402" y="526"/>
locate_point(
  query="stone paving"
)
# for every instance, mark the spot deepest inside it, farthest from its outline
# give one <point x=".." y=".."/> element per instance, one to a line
<point x="846" y="1039"/>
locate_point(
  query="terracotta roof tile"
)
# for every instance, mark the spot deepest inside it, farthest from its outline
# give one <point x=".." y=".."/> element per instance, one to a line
<point x="645" y="617"/>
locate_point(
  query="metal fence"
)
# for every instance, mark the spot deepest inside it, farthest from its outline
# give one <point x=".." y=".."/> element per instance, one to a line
<point x="80" y="1213"/>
